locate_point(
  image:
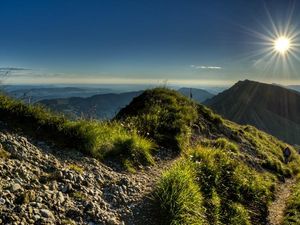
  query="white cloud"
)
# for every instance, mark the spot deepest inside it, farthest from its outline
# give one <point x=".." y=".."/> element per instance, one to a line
<point x="206" y="67"/>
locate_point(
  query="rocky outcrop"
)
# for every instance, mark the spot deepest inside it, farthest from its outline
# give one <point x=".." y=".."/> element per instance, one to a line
<point x="40" y="184"/>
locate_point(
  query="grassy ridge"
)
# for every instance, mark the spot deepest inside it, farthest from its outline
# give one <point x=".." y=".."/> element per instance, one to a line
<point x="162" y="114"/>
<point x="236" y="170"/>
<point x="99" y="139"/>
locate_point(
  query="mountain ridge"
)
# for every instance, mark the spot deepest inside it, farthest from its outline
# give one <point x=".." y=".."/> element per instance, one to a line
<point x="164" y="159"/>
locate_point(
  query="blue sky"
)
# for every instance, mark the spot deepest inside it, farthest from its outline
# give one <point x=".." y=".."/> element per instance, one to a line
<point x="188" y="41"/>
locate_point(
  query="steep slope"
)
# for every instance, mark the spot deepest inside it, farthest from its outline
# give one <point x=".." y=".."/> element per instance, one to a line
<point x="103" y="106"/>
<point x="198" y="95"/>
<point x="271" y="108"/>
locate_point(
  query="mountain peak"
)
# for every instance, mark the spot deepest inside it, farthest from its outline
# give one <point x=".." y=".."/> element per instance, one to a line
<point x="269" y="107"/>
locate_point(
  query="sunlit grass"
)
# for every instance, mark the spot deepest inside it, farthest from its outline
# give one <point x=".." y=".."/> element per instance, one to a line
<point x="99" y="139"/>
<point x="292" y="212"/>
<point x="179" y="196"/>
<point x="163" y="115"/>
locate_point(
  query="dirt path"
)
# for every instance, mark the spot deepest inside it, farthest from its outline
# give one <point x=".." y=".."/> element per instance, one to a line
<point x="276" y="209"/>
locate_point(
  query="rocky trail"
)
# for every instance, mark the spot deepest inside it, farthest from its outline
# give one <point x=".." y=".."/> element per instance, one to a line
<point x="277" y="208"/>
<point x="41" y="184"/>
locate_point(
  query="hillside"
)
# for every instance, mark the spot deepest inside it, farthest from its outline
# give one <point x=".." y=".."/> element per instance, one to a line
<point x="198" y="95"/>
<point x="271" y="108"/>
<point x="163" y="159"/>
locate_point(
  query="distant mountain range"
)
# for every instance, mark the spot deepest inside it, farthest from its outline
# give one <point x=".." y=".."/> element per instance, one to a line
<point x="294" y="87"/>
<point x="34" y="94"/>
<point x="271" y="108"/>
<point x="105" y="106"/>
<point x="197" y="94"/>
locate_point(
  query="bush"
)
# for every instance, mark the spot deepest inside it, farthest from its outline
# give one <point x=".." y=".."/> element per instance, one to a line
<point x="179" y="197"/>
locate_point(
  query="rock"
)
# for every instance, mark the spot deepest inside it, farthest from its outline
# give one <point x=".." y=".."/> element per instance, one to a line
<point x="15" y="187"/>
<point x="47" y="213"/>
<point x="60" y="197"/>
<point x="113" y="221"/>
<point x="67" y="188"/>
<point x="2" y="202"/>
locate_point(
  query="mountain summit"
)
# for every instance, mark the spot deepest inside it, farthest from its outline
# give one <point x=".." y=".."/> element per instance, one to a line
<point x="271" y="108"/>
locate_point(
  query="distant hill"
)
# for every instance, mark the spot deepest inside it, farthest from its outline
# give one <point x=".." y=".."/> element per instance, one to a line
<point x="103" y="106"/>
<point x="294" y="87"/>
<point x="198" y="94"/>
<point x="34" y="94"/>
<point x="271" y="108"/>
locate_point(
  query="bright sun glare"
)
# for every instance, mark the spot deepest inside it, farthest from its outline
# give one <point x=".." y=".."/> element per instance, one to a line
<point x="282" y="44"/>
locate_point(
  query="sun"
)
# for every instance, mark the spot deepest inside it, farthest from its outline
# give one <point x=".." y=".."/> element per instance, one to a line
<point x="282" y="44"/>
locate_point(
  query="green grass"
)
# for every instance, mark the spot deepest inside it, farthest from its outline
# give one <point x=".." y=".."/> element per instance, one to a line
<point x="292" y="212"/>
<point x="75" y="168"/>
<point x="163" y="115"/>
<point x="265" y="150"/>
<point x="212" y="187"/>
<point x="234" y="183"/>
<point x="221" y="143"/>
<point x="98" y="139"/>
<point x="179" y="197"/>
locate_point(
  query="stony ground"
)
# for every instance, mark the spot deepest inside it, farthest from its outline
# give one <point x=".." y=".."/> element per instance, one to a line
<point x="40" y="184"/>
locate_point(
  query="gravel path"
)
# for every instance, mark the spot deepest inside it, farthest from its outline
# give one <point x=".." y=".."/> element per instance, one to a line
<point x="277" y="208"/>
<point x="41" y="184"/>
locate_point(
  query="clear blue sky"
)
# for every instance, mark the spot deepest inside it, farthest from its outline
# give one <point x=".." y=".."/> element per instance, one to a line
<point x="142" y="40"/>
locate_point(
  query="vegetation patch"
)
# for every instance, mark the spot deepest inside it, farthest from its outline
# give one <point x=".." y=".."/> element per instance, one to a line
<point x="99" y="139"/>
<point x="238" y="186"/>
<point x="163" y="115"/>
<point x="179" y="196"/>
<point x="292" y="212"/>
<point x="76" y="168"/>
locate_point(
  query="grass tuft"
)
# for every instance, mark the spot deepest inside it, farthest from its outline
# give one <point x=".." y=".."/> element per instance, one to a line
<point x="179" y="196"/>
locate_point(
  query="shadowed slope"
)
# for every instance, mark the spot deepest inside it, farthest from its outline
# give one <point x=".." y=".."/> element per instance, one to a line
<point x="271" y="108"/>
